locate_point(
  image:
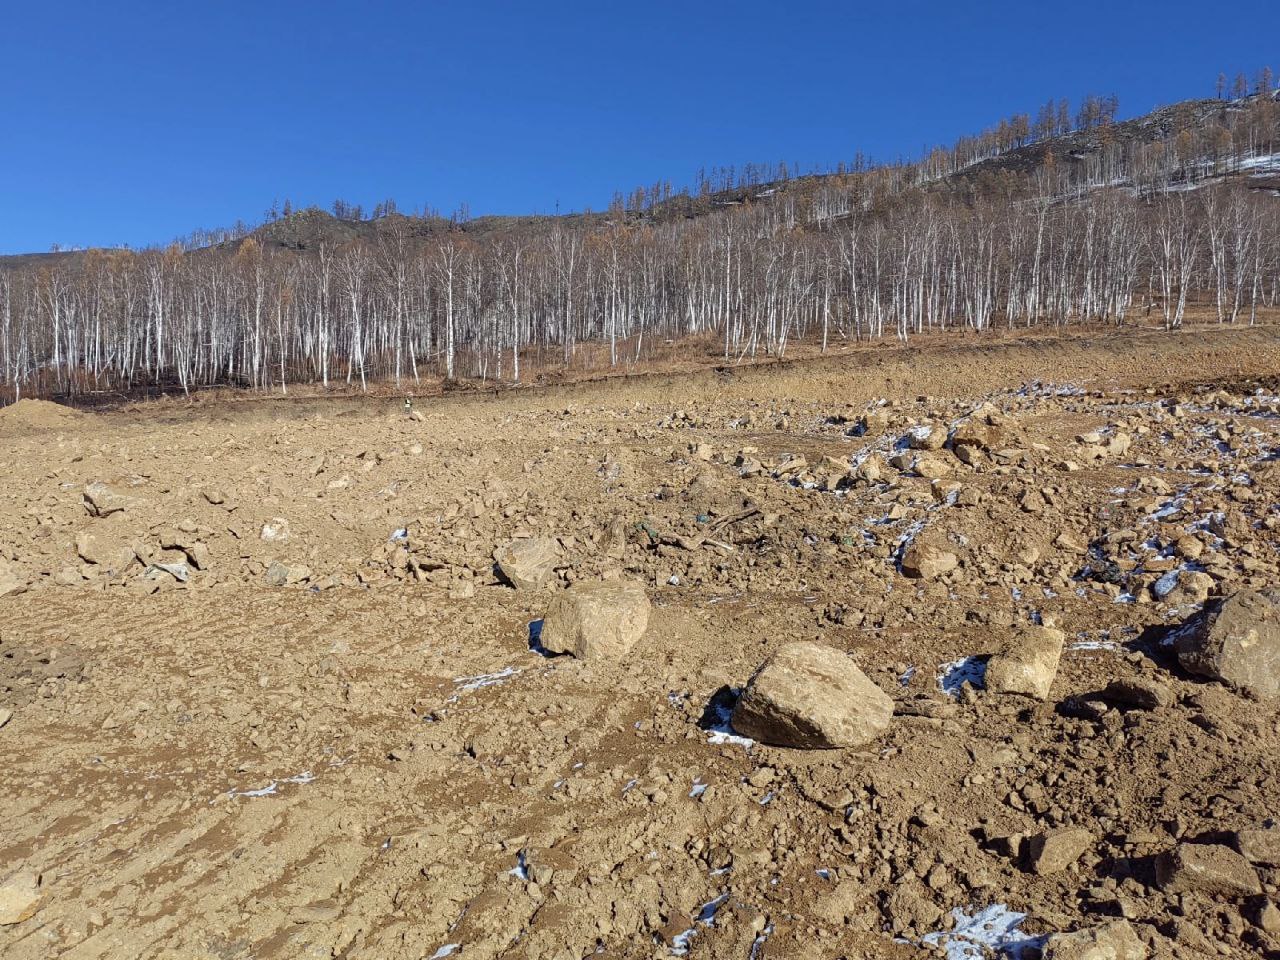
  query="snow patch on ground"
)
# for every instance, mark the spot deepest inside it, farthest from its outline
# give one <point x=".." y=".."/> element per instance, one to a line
<point x="485" y="679"/>
<point x="719" y="731"/>
<point x="273" y="787"/>
<point x="706" y="916"/>
<point x="991" y="930"/>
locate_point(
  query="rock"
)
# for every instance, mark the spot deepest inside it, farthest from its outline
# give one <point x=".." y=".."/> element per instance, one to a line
<point x="873" y="422"/>
<point x="1055" y="850"/>
<point x="922" y="561"/>
<point x="68" y="577"/>
<point x="20" y="898"/>
<point x="1260" y="845"/>
<point x="910" y="904"/>
<point x="1027" y="662"/>
<point x="95" y="549"/>
<point x="529" y="563"/>
<point x="1070" y="543"/>
<point x="974" y="432"/>
<point x="9" y="582"/>
<point x="276" y="530"/>
<point x="596" y="621"/>
<point x="1266" y="915"/>
<point x="931" y="467"/>
<point x="1138" y="694"/>
<point x="928" y="436"/>
<point x="1183" y="588"/>
<point x="1116" y="940"/>
<point x="1207" y="868"/>
<point x="5" y="715"/>
<point x="281" y="574"/>
<point x="811" y="697"/>
<point x="871" y="470"/>
<point x="101" y="501"/>
<point x="179" y="571"/>
<point x="198" y="553"/>
<point x="1237" y="640"/>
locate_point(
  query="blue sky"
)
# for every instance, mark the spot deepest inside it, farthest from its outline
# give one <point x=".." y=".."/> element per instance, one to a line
<point x="137" y="122"/>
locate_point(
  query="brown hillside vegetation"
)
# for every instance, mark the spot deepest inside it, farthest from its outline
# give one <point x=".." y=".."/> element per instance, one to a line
<point x="873" y="655"/>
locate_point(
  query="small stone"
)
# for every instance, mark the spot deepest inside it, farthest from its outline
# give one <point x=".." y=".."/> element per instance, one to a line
<point x="922" y="561"/>
<point x="871" y="470"/>
<point x="927" y="436"/>
<point x="811" y="696"/>
<point x="9" y="582"/>
<point x="975" y="432"/>
<point x="101" y="501"/>
<point x="20" y="898"/>
<point x="1191" y="588"/>
<point x="596" y="620"/>
<point x="931" y="467"/>
<point x="282" y="574"/>
<point x="1267" y="916"/>
<point x="1207" y="868"/>
<point x="1055" y="850"/>
<point x="1027" y="662"/>
<point x="276" y="530"/>
<point x="1116" y="940"/>
<point x="1138" y="694"/>
<point x="528" y="563"/>
<point x="1260" y="845"/>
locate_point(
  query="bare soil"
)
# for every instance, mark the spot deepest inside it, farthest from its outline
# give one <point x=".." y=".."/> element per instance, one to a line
<point x="267" y="696"/>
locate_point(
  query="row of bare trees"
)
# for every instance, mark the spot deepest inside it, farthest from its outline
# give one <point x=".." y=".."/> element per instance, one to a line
<point x="751" y="277"/>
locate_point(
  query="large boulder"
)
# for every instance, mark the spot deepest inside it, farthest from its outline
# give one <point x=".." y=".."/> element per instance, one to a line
<point x="812" y="697"/>
<point x="1208" y="868"/>
<point x="596" y="621"/>
<point x="1026" y="662"/>
<point x="528" y="563"/>
<point x="1236" y="640"/>
<point x="1116" y="940"/>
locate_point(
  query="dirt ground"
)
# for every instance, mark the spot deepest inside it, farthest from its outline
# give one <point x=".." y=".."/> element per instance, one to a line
<point x="263" y="693"/>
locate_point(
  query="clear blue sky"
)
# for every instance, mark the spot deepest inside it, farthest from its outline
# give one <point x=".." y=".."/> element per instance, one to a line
<point x="134" y="123"/>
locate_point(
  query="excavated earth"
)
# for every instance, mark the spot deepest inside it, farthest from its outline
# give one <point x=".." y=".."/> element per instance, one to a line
<point x="264" y="694"/>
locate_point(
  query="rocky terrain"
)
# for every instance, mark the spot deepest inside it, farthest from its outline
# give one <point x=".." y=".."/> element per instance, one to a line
<point x="960" y="652"/>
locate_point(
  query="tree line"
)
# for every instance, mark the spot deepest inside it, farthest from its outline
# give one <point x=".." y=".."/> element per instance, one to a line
<point x="885" y="251"/>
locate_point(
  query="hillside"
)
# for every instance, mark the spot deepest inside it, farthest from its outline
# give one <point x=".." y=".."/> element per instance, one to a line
<point x="1077" y="155"/>
<point x="1157" y="219"/>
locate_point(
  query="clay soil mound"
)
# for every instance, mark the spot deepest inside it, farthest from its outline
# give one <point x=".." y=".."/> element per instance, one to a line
<point x="38" y="414"/>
